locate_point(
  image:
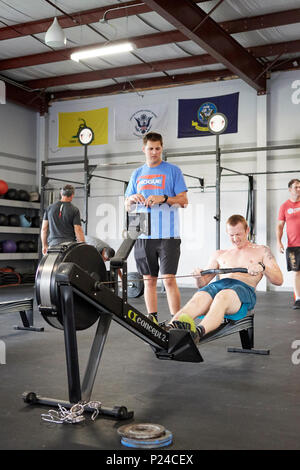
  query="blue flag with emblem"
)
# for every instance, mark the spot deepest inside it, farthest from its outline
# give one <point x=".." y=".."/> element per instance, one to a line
<point x="193" y="114"/>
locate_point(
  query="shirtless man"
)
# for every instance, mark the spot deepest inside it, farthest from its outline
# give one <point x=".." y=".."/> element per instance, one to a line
<point x="234" y="294"/>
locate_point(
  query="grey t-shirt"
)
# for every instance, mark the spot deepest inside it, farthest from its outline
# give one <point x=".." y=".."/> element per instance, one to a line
<point x="62" y="216"/>
<point x="97" y="243"/>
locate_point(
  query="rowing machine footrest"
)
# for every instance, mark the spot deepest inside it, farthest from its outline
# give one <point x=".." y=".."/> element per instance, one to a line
<point x="264" y="352"/>
<point x="181" y="347"/>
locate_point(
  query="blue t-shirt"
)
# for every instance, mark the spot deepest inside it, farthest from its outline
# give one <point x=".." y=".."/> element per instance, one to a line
<point x="162" y="179"/>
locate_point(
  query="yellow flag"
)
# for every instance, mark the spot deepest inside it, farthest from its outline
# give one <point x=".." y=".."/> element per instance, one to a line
<point x="69" y="125"/>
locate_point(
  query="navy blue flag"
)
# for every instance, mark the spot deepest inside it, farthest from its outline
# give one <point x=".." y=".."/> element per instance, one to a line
<point x="193" y="114"/>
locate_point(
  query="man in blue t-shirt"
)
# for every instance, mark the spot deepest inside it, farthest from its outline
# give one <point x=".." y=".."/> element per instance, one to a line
<point x="158" y="187"/>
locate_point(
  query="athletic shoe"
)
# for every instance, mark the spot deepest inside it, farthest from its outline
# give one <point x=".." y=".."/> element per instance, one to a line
<point x="185" y="322"/>
<point x="152" y="318"/>
<point x="171" y="326"/>
<point x="165" y="326"/>
<point x="296" y="304"/>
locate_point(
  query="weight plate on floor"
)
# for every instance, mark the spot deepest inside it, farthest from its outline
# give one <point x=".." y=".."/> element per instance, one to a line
<point x="165" y="440"/>
<point x="135" y="285"/>
<point x="141" y="431"/>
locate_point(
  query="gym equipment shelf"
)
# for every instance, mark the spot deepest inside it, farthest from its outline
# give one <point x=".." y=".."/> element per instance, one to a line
<point x="20" y="256"/>
<point x="9" y="229"/>
<point x="18" y="205"/>
<point x="24" y="204"/>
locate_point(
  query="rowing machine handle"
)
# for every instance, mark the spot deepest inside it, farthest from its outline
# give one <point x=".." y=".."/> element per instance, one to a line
<point x="224" y="271"/>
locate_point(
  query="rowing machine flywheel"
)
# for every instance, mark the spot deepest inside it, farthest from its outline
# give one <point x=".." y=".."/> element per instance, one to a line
<point x="47" y="290"/>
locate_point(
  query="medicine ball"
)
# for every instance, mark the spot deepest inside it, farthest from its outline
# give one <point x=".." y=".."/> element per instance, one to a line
<point x="14" y="220"/>
<point x="3" y="219"/>
<point x="3" y="187"/>
<point x="9" y="246"/>
<point x="34" y="196"/>
<point x="35" y="221"/>
<point x="25" y="220"/>
<point x="23" y="195"/>
<point x="22" y="246"/>
<point x="11" y="194"/>
<point x="31" y="246"/>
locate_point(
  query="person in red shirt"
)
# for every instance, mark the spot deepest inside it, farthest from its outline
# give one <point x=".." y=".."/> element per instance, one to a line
<point x="289" y="214"/>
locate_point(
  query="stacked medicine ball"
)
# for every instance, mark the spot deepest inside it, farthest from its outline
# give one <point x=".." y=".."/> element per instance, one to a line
<point x="22" y="220"/>
<point x="15" y="220"/>
<point x="17" y="194"/>
<point x="20" y="246"/>
<point x="27" y="246"/>
<point x="12" y="220"/>
<point x="3" y="187"/>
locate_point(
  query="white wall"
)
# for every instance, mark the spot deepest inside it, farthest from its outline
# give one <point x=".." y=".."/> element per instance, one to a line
<point x="18" y="137"/>
<point x="198" y="225"/>
<point x="18" y="159"/>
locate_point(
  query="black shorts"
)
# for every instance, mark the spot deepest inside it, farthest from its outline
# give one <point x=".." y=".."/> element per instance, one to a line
<point x="293" y="258"/>
<point x="156" y="255"/>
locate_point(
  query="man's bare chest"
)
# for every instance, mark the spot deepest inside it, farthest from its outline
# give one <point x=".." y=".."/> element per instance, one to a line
<point x="239" y="258"/>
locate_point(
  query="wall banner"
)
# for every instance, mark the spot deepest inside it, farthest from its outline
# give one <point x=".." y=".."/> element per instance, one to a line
<point x="133" y="122"/>
<point x="193" y="114"/>
<point x="69" y="125"/>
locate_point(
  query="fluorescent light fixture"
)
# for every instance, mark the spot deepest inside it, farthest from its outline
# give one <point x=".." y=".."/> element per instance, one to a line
<point x="102" y="51"/>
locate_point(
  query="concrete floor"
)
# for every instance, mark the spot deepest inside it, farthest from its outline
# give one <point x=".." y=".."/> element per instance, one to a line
<point x="230" y="401"/>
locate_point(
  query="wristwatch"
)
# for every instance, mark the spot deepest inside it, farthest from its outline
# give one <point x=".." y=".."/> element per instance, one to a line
<point x="165" y="198"/>
<point x="262" y="264"/>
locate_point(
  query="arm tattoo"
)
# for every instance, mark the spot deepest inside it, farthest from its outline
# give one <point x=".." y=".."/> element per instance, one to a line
<point x="268" y="253"/>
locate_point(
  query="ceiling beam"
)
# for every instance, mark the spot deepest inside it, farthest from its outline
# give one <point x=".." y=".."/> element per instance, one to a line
<point x="157" y="82"/>
<point x="285" y="65"/>
<point x="146" y="40"/>
<point x="93" y="16"/>
<point x="269" y="50"/>
<point x="144" y="84"/>
<point x="32" y="100"/>
<point x="157" y="66"/>
<point x="269" y="20"/>
<point x="74" y="19"/>
<point x="123" y="71"/>
<point x="195" y="24"/>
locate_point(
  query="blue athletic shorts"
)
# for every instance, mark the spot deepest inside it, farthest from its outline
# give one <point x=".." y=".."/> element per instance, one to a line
<point x="245" y="292"/>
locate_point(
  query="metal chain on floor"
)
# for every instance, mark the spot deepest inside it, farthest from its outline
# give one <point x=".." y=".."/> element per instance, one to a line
<point x="73" y="415"/>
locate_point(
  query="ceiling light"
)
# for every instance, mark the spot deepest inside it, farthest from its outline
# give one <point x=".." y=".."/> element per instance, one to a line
<point x="55" y="36"/>
<point x="102" y="51"/>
